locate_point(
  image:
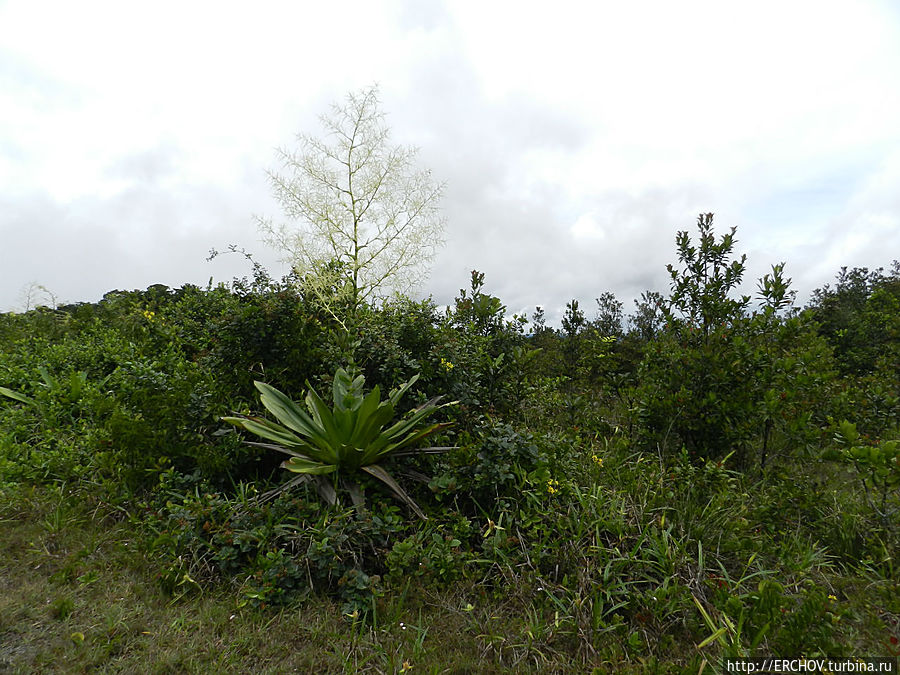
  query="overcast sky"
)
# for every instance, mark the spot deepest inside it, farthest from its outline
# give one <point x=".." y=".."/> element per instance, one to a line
<point x="576" y="138"/>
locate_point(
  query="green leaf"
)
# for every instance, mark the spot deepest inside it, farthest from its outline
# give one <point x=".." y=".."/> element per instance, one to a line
<point x="375" y="452"/>
<point x="347" y="394"/>
<point x="372" y="427"/>
<point x="266" y="429"/>
<point x="365" y="415"/>
<point x="17" y="396"/>
<point x="382" y="475"/>
<point x="398" y="393"/>
<point x="321" y="414"/>
<point x="304" y="465"/>
<point x="272" y="446"/>
<point x="344" y="421"/>
<point x="287" y="411"/>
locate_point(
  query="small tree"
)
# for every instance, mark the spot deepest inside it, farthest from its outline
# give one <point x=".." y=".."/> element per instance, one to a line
<point x="648" y="317"/>
<point x="701" y="291"/>
<point x="722" y="380"/>
<point x="609" y="319"/>
<point x="368" y="219"/>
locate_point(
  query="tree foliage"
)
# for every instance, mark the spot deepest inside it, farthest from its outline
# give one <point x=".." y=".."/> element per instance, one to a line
<point x="859" y="316"/>
<point x="701" y="292"/>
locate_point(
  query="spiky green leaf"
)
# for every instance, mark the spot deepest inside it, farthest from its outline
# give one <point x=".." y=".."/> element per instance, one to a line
<point x="386" y="478"/>
<point x="16" y="396"/>
<point x="304" y="465"/>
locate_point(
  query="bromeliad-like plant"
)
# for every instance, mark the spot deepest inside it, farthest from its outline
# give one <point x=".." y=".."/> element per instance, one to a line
<point x="353" y="435"/>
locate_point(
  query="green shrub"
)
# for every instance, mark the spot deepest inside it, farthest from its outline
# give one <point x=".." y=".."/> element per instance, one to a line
<point x="490" y="465"/>
<point x="286" y="548"/>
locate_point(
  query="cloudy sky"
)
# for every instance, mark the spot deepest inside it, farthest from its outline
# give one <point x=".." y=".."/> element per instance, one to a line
<point x="575" y="141"/>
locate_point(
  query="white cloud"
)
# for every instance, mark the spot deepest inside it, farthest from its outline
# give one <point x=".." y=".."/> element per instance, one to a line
<point x="575" y="139"/>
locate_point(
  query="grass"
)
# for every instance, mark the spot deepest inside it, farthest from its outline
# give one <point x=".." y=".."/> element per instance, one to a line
<point x="78" y="594"/>
<point x="631" y="576"/>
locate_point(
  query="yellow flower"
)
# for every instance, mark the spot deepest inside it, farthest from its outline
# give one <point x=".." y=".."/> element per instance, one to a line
<point x="149" y="315"/>
<point x="597" y="460"/>
<point x="492" y="527"/>
<point x="832" y="597"/>
<point x="552" y="486"/>
<point x="446" y="364"/>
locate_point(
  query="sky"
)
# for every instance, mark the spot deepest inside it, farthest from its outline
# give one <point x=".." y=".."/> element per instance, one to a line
<point x="575" y="139"/>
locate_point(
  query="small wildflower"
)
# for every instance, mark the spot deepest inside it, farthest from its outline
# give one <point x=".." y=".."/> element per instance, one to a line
<point x="552" y="486"/>
<point x="597" y="460"/>
<point x="149" y="315"/>
<point x="447" y="365"/>
<point x="832" y="597"/>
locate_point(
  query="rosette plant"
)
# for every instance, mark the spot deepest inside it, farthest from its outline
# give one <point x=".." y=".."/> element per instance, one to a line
<point x="357" y="433"/>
